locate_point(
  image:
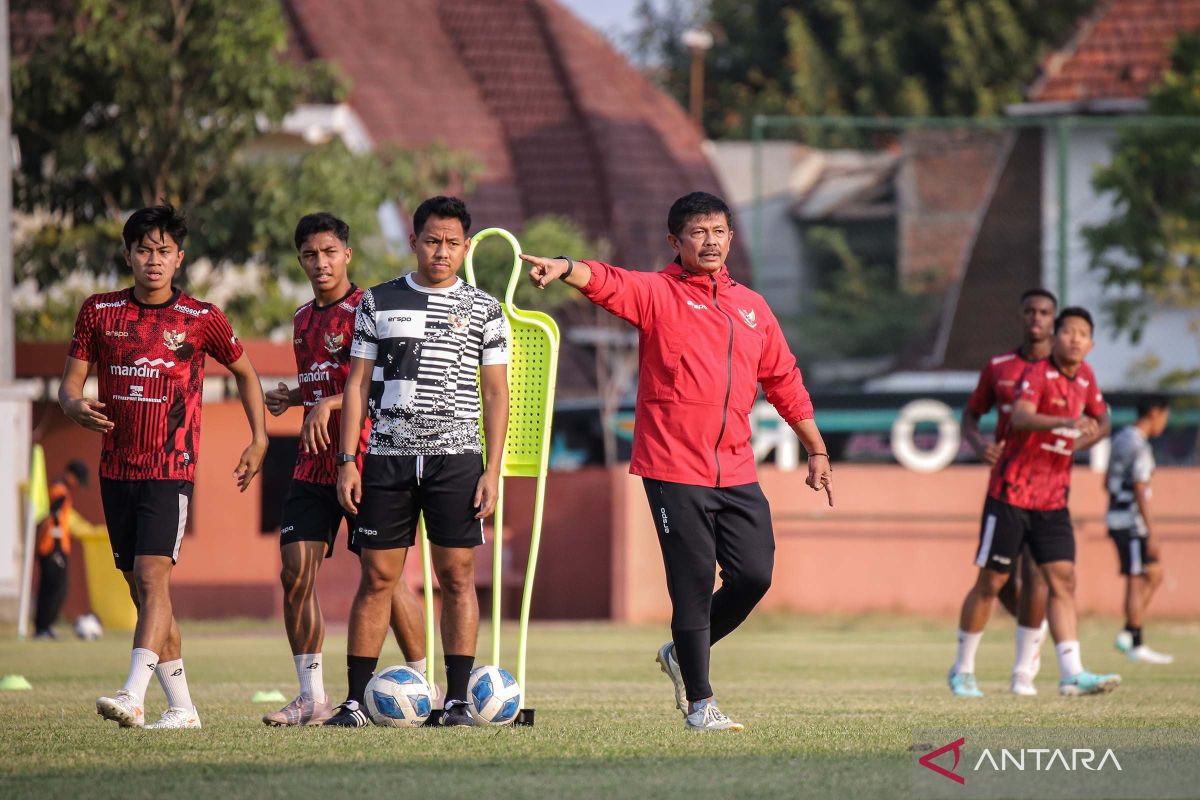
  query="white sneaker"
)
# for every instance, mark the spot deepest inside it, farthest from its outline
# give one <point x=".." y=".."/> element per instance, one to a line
<point x="670" y="667"/>
<point x="1144" y="655"/>
<point x="122" y="708"/>
<point x="709" y="718"/>
<point x="1124" y="641"/>
<point x="1022" y="684"/>
<point x="177" y="718"/>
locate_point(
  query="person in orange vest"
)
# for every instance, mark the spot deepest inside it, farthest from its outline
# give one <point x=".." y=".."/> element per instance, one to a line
<point x="53" y="548"/>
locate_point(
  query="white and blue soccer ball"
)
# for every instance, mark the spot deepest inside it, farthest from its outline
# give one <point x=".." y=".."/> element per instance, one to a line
<point x="399" y="697"/>
<point x="493" y="695"/>
<point x="87" y="627"/>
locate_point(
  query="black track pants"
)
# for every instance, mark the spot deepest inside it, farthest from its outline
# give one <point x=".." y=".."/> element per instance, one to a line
<point x="700" y="528"/>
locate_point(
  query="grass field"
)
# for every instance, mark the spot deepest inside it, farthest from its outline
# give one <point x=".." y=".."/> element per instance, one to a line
<point x="830" y="707"/>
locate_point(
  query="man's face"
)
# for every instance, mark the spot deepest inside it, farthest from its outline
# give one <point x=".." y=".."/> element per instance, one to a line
<point x="1073" y="341"/>
<point x="154" y="261"/>
<point x="324" y="258"/>
<point x="441" y="246"/>
<point x="1159" y="418"/>
<point x="703" y="244"/>
<point x="1037" y="317"/>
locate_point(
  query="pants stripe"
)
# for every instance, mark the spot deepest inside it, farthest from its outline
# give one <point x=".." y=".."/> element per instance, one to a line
<point x="1135" y="556"/>
<point x="985" y="546"/>
<point x="183" y="511"/>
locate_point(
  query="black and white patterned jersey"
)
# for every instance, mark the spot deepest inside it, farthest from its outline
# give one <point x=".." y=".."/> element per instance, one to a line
<point x="1130" y="461"/>
<point x="427" y="345"/>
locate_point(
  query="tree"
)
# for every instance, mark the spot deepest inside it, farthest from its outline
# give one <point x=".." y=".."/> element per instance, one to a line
<point x="863" y="313"/>
<point x="1149" y="250"/>
<point x="122" y="105"/>
<point x="857" y="57"/>
<point x="546" y="235"/>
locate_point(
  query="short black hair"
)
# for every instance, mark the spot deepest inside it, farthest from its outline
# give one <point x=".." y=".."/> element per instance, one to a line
<point x="1074" y="311"/>
<point x="79" y="470"/>
<point x="444" y="207"/>
<point x="321" y="222"/>
<point x="1046" y="293"/>
<point x="1151" y="402"/>
<point x="164" y="218"/>
<point x="696" y="204"/>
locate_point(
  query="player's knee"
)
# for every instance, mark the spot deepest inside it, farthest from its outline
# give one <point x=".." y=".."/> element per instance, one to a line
<point x="377" y="581"/>
<point x="753" y="580"/>
<point x="457" y="581"/>
<point x="293" y="574"/>
<point x="989" y="584"/>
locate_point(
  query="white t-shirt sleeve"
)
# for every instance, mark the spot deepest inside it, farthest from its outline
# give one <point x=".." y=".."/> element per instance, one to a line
<point x="496" y="337"/>
<point x="366" y="342"/>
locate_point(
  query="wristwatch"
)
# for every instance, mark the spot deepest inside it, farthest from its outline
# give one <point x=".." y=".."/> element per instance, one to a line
<point x="346" y="458"/>
<point x="570" y="267"/>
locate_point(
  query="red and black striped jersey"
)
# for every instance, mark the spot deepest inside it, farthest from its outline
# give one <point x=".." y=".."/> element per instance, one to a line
<point x="321" y="338"/>
<point x="1034" y="471"/>
<point x="149" y="363"/>
<point x="998" y="384"/>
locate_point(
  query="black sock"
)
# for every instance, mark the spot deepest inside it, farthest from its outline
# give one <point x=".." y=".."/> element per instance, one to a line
<point x="458" y="674"/>
<point x="691" y="651"/>
<point x="360" y="669"/>
<point x="1136" y="633"/>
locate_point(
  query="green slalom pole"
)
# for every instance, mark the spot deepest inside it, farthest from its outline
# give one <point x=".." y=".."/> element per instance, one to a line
<point x="533" y="374"/>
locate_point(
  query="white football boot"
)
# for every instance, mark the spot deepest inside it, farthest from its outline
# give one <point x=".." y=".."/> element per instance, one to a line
<point x="709" y="718"/>
<point x="177" y="718"/>
<point x="1144" y="655"/>
<point x="670" y="667"/>
<point x="122" y="708"/>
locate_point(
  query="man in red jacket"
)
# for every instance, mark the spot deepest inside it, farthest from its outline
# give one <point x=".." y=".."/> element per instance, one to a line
<point x="706" y="343"/>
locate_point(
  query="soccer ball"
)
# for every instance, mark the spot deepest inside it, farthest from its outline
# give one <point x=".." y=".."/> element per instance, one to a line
<point x="494" y="696"/>
<point x="399" y="697"/>
<point x="87" y="627"/>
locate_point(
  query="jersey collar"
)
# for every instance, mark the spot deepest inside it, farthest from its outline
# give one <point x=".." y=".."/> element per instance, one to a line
<point x="341" y="299"/>
<point x="412" y="284"/>
<point x="172" y="300"/>
<point x="676" y="270"/>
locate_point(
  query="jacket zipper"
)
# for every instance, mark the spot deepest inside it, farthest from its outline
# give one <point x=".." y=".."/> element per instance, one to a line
<point x="728" y="381"/>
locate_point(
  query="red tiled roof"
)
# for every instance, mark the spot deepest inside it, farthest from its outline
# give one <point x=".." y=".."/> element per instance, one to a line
<point x="562" y="123"/>
<point x="1120" y="50"/>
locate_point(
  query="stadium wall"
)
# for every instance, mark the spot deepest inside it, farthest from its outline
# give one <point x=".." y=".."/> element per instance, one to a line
<point x="897" y="541"/>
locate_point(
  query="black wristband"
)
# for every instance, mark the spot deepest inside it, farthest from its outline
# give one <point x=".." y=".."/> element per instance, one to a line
<point x="570" y="268"/>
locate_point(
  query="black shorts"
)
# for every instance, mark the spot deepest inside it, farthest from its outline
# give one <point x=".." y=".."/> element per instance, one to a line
<point x="1005" y="528"/>
<point x="1131" y="550"/>
<point x="312" y="513"/>
<point x="145" y="518"/>
<point x="396" y="489"/>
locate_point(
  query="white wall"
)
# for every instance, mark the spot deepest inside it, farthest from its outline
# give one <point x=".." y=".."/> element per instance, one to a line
<point x="15" y="426"/>
<point x="1115" y="360"/>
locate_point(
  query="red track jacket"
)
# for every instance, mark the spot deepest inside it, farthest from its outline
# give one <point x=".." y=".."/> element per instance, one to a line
<point x="706" y="342"/>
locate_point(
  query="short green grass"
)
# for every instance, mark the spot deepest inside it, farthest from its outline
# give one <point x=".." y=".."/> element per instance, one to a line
<point x="830" y="707"/>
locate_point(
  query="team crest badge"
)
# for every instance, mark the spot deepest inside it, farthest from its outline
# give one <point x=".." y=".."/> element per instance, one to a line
<point x="748" y="317"/>
<point x="458" y="322"/>
<point x="333" y="342"/>
<point x="174" y="339"/>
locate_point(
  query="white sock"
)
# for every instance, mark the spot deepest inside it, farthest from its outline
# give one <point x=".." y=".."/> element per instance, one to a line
<point x="968" y="643"/>
<point x="1029" y="642"/>
<point x="141" y="669"/>
<point x="173" y="680"/>
<point x="419" y="665"/>
<point x="312" y="678"/>
<point x="1045" y="629"/>
<point x="1070" y="662"/>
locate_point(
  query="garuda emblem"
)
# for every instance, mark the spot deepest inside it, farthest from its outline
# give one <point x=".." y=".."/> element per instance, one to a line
<point x="174" y="339"/>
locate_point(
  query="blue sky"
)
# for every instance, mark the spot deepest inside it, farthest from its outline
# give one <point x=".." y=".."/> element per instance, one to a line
<point x="610" y="17"/>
